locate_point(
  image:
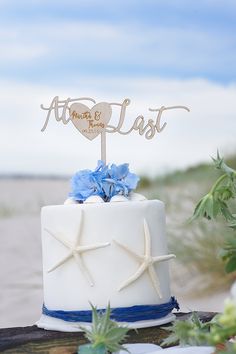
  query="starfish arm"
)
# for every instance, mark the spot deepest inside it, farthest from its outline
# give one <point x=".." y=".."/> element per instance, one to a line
<point x="59" y="238"/>
<point x="134" y="277"/>
<point x="63" y="260"/>
<point x="155" y="281"/>
<point x="128" y="250"/>
<point x="95" y="246"/>
<point x="83" y="268"/>
<point x="79" y="234"/>
<point x="163" y="258"/>
<point x="147" y="238"/>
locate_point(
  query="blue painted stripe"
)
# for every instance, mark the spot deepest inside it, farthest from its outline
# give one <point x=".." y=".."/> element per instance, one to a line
<point x="120" y="314"/>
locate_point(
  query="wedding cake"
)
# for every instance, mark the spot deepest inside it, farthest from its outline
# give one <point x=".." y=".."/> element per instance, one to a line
<point x="105" y="244"/>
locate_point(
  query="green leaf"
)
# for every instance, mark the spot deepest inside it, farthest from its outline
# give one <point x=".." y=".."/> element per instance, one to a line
<point x="232" y="224"/>
<point x="189" y="332"/>
<point x="216" y="208"/>
<point x="95" y="317"/>
<point x="209" y="207"/>
<point x="230" y="243"/>
<point x="105" y="332"/>
<point x="196" y="320"/>
<point x="114" y="338"/>
<point x="197" y="210"/>
<point x="206" y="207"/>
<point x="105" y="319"/>
<point x="89" y="349"/>
<point x="231" y="265"/>
<point x="172" y="339"/>
<point x="224" y="192"/>
<point x="218" y="161"/>
<point x="221" y="165"/>
<point x="228" y="254"/>
<point x="224" y="254"/>
<point x="226" y="212"/>
<point x="117" y="334"/>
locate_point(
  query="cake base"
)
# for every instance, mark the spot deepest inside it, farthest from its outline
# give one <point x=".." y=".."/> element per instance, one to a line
<point x="55" y="324"/>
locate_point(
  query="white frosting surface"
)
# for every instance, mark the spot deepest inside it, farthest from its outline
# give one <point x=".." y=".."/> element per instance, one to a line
<point x="56" y="324"/>
<point x="66" y="287"/>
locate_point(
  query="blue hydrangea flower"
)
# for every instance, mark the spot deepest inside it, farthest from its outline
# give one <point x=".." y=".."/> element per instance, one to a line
<point x="119" y="181"/>
<point x="104" y="181"/>
<point x="83" y="185"/>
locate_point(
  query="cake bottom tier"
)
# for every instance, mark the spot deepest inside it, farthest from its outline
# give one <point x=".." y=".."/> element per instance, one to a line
<point x="54" y="324"/>
<point x="112" y="253"/>
<point x="133" y="317"/>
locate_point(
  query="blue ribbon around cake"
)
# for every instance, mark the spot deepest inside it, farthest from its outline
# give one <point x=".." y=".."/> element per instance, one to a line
<point x="120" y="314"/>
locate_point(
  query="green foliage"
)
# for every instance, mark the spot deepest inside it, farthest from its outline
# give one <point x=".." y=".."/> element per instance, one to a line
<point x="228" y="254"/>
<point x="221" y="165"/>
<point x="104" y="335"/>
<point x="224" y="325"/>
<point x="194" y="332"/>
<point x="196" y="245"/>
<point x="206" y="207"/>
<point x="217" y="202"/>
<point x="189" y="332"/>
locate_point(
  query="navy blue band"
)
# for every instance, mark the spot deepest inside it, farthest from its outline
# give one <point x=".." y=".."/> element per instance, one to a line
<point x="120" y="314"/>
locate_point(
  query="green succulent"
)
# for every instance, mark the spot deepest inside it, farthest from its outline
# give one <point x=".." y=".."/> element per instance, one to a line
<point x="187" y="332"/>
<point x="105" y="336"/>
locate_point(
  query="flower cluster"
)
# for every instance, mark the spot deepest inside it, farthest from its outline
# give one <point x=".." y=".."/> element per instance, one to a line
<point x="105" y="181"/>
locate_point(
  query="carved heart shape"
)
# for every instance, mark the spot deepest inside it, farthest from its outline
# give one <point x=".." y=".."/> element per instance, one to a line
<point x="90" y="122"/>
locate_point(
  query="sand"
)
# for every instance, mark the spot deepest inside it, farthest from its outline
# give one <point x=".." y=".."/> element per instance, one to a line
<point x="21" y="292"/>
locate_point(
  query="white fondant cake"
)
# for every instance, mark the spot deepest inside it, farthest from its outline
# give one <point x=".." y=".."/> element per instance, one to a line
<point x="104" y="252"/>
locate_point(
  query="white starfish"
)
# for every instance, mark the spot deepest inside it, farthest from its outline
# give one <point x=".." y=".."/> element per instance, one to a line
<point x="146" y="260"/>
<point x="76" y="250"/>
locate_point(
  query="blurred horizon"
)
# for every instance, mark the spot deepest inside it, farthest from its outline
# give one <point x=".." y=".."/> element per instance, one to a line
<point x="157" y="53"/>
<point x="170" y="174"/>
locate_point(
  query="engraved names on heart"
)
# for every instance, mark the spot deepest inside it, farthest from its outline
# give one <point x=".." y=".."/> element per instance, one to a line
<point x="90" y="122"/>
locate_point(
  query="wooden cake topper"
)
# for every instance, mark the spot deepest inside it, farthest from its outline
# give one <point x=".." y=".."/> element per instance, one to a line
<point x="94" y="121"/>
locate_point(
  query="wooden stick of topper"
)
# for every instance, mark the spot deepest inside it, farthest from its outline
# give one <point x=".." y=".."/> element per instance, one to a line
<point x="94" y="121"/>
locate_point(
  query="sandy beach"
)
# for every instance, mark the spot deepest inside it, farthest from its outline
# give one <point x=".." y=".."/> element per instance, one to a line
<point x="21" y="258"/>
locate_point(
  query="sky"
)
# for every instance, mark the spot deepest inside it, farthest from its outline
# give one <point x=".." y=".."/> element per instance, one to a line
<point x="155" y="52"/>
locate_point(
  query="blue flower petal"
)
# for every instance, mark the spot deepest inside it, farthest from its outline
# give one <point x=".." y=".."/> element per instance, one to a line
<point x="104" y="181"/>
